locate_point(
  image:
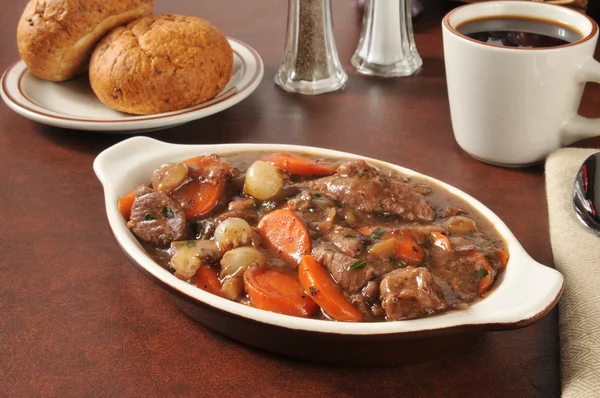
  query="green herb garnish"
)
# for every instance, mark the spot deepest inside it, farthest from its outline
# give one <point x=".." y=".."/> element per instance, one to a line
<point x="168" y="212"/>
<point x="360" y="175"/>
<point x="337" y="203"/>
<point x="479" y="274"/>
<point x="255" y="205"/>
<point x="191" y="243"/>
<point x="377" y="233"/>
<point x="393" y="259"/>
<point x="349" y="236"/>
<point x="317" y="194"/>
<point x="149" y="217"/>
<point x="360" y="264"/>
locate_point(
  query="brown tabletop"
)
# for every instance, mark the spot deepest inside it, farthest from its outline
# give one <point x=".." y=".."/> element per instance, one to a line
<point x="76" y="319"/>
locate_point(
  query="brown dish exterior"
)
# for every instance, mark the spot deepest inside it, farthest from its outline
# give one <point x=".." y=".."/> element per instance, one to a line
<point x="56" y="37"/>
<point x="161" y="63"/>
<point x="328" y="239"/>
<point x="513" y="302"/>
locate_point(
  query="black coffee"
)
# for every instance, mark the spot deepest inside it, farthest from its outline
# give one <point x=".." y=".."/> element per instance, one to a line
<point x="509" y="31"/>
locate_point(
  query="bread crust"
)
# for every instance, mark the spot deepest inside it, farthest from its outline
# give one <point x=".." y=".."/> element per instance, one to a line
<point x="56" y="37"/>
<point x="161" y="63"/>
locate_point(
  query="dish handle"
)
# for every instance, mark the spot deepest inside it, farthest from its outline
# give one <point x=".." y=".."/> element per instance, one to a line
<point x="528" y="292"/>
<point x="113" y="159"/>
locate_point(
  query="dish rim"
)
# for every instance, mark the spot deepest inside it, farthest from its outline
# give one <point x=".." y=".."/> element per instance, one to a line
<point x="251" y="61"/>
<point x="146" y="153"/>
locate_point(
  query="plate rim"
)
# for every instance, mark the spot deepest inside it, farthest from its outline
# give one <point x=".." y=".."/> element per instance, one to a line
<point x="137" y="122"/>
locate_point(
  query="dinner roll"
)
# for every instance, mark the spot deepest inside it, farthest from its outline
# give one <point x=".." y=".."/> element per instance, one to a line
<point x="160" y="63"/>
<point x="57" y="37"/>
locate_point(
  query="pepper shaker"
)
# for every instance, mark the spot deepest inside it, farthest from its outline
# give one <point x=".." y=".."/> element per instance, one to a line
<point x="387" y="47"/>
<point x="310" y="62"/>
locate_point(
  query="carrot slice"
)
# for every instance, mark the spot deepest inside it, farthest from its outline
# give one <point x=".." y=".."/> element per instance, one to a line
<point x="409" y="250"/>
<point x="325" y="291"/>
<point x="198" y="198"/>
<point x="125" y="204"/>
<point x="297" y="165"/>
<point x="277" y="292"/>
<point x="285" y="233"/>
<point x="502" y="256"/>
<point x="483" y="271"/>
<point x="206" y="279"/>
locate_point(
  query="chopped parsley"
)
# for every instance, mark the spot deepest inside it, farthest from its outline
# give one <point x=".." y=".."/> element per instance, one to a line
<point x="479" y="274"/>
<point x="337" y="203"/>
<point x="191" y="243"/>
<point x="317" y="194"/>
<point x="255" y="205"/>
<point x="377" y="233"/>
<point x="149" y="217"/>
<point x="349" y="236"/>
<point x="393" y="259"/>
<point x="168" y="212"/>
<point x="360" y="264"/>
<point x="360" y="175"/>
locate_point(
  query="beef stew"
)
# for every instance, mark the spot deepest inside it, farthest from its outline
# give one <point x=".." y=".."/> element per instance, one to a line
<point x="322" y="238"/>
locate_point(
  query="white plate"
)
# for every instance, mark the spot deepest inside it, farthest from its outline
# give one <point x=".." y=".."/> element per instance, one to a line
<point x="74" y="105"/>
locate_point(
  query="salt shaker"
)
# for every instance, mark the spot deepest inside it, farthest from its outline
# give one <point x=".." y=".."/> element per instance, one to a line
<point x="310" y="62"/>
<point x="387" y="47"/>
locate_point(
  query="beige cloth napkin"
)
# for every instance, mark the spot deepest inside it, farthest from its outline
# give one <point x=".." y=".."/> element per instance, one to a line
<point x="576" y="252"/>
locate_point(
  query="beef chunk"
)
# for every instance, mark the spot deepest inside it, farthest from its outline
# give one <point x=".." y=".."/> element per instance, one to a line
<point x="211" y="168"/>
<point x="250" y="215"/>
<point x="371" y="291"/>
<point x="360" y="303"/>
<point x="346" y="240"/>
<point x="205" y="228"/>
<point x="301" y="202"/>
<point x="338" y="265"/>
<point x="448" y="212"/>
<point x="360" y="187"/>
<point x="456" y="270"/>
<point x="410" y="292"/>
<point x="357" y="168"/>
<point x="461" y="244"/>
<point x="156" y="218"/>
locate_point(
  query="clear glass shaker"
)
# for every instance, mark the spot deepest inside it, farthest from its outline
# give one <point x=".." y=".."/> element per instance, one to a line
<point x="310" y="62"/>
<point x="387" y="46"/>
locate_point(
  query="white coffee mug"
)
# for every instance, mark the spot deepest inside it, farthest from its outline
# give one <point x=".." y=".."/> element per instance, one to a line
<point x="514" y="106"/>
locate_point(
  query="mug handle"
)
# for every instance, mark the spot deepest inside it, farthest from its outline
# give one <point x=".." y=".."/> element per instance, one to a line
<point x="579" y="127"/>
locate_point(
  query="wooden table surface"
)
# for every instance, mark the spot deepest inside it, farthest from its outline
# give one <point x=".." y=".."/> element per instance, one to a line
<point x="76" y="319"/>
